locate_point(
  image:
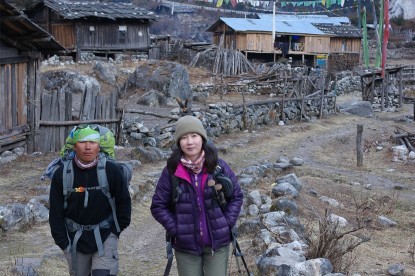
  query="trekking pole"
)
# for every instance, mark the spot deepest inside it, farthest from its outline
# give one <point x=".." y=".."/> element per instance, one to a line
<point x="243" y="259"/>
<point x="169" y="251"/>
<point x="238" y="253"/>
<point x="220" y="198"/>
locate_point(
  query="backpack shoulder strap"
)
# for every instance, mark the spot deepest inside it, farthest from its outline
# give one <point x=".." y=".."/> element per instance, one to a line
<point x="102" y="175"/>
<point x="226" y="182"/>
<point x="67" y="179"/>
<point x="176" y="191"/>
<point x="103" y="184"/>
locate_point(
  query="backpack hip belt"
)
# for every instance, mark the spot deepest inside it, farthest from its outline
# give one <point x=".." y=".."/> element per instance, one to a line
<point x="73" y="226"/>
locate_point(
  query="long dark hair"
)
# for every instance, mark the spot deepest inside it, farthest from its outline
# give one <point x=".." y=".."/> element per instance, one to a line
<point x="211" y="157"/>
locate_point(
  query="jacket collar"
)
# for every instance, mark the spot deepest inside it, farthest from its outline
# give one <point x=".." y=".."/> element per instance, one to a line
<point x="183" y="173"/>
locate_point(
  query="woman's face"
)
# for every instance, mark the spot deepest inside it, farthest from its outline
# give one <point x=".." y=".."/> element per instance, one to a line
<point x="191" y="145"/>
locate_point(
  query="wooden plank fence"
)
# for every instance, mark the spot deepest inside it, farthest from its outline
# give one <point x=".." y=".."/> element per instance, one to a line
<point x="56" y="117"/>
<point x="13" y="104"/>
<point x="408" y="74"/>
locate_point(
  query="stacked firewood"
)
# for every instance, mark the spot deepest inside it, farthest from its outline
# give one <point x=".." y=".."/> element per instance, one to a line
<point x="405" y="137"/>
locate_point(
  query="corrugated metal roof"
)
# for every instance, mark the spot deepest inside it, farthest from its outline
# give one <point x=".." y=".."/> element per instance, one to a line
<point x="263" y="25"/>
<point x="311" y="18"/>
<point x="110" y="10"/>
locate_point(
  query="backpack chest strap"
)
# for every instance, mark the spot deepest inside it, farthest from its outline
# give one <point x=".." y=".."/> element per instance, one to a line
<point x="85" y="190"/>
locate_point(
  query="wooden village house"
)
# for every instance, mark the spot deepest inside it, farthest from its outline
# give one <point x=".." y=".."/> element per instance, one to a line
<point x="313" y="40"/>
<point x="103" y="28"/>
<point x="22" y="46"/>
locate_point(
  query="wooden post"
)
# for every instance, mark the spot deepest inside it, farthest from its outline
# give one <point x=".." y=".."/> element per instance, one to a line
<point x="400" y="87"/>
<point x="322" y="95"/>
<point x="359" y="145"/>
<point x="382" y="92"/>
<point x="33" y="104"/>
<point x="372" y="89"/>
<point x="363" y="87"/>
<point x="386" y="93"/>
<point x="37" y="112"/>
<point x="282" y="106"/>
<point x="244" y="110"/>
<point x="302" y="107"/>
<point x="321" y="103"/>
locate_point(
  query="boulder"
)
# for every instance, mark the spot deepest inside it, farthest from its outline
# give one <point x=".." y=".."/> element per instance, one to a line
<point x="169" y="78"/>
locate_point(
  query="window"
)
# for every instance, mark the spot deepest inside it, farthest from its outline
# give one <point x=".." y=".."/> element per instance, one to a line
<point x="344" y="45"/>
<point x="122" y="31"/>
<point x="91" y="30"/>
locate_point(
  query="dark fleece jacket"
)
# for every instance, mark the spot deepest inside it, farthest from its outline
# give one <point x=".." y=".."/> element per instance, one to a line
<point x="97" y="210"/>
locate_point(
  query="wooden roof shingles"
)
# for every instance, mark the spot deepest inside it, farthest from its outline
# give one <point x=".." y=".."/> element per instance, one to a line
<point x="111" y="10"/>
<point x="20" y="32"/>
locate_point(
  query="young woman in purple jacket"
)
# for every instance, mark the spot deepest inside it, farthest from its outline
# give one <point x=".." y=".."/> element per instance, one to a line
<point x="199" y="228"/>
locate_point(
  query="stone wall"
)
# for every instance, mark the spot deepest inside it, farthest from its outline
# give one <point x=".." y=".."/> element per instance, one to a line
<point x="342" y="62"/>
<point x="223" y="118"/>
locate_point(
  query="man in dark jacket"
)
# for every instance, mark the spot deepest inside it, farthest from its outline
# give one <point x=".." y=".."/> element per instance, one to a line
<point x="82" y="223"/>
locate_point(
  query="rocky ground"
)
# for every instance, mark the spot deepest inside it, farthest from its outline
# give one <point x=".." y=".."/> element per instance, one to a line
<point x="328" y="148"/>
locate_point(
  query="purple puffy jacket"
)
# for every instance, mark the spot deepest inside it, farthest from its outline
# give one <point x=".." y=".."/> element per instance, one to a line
<point x="185" y="235"/>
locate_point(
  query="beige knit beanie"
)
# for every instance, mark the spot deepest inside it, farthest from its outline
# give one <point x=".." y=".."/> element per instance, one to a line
<point x="189" y="124"/>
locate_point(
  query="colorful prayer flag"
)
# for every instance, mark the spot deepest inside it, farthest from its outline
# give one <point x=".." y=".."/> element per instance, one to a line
<point x="385" y="35"/>
<point x="365" y="42"/>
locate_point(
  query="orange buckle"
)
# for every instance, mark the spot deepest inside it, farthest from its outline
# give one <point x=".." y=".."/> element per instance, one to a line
<point x="80" y="189"/>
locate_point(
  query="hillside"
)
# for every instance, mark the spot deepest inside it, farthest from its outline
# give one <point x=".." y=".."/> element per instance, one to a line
<point x="404" y="8"/>
<point x="192" y="26"/>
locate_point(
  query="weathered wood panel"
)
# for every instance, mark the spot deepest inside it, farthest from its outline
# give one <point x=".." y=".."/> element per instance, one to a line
<point x="8" y="83"/>
<point x="22" y="94"/>
<point x="317" y="44"/>
<point x="33" y="108"/>
<point x="56" y="116"/>
<point x="7" y="51"/>
<point x="408" y="74"/>
<point x="345" y="45"/>
<point x="3" y="93"/>
<point x="112" y="36"/>
<point x="13" y="137"/>
<point x="62" y="117"/>
<point x="45" y="133"/>
<point x="13" y="95"/>
<point x="65" y="34"/>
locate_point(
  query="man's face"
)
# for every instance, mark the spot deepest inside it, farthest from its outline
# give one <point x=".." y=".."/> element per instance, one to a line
<point x="86" y="151"/>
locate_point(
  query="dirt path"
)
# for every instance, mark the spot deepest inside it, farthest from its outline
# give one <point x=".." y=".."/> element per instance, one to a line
<point x="327" y="146"/>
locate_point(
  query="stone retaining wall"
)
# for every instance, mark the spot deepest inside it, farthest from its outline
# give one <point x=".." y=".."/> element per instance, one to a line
<point x="223" y="118"/>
